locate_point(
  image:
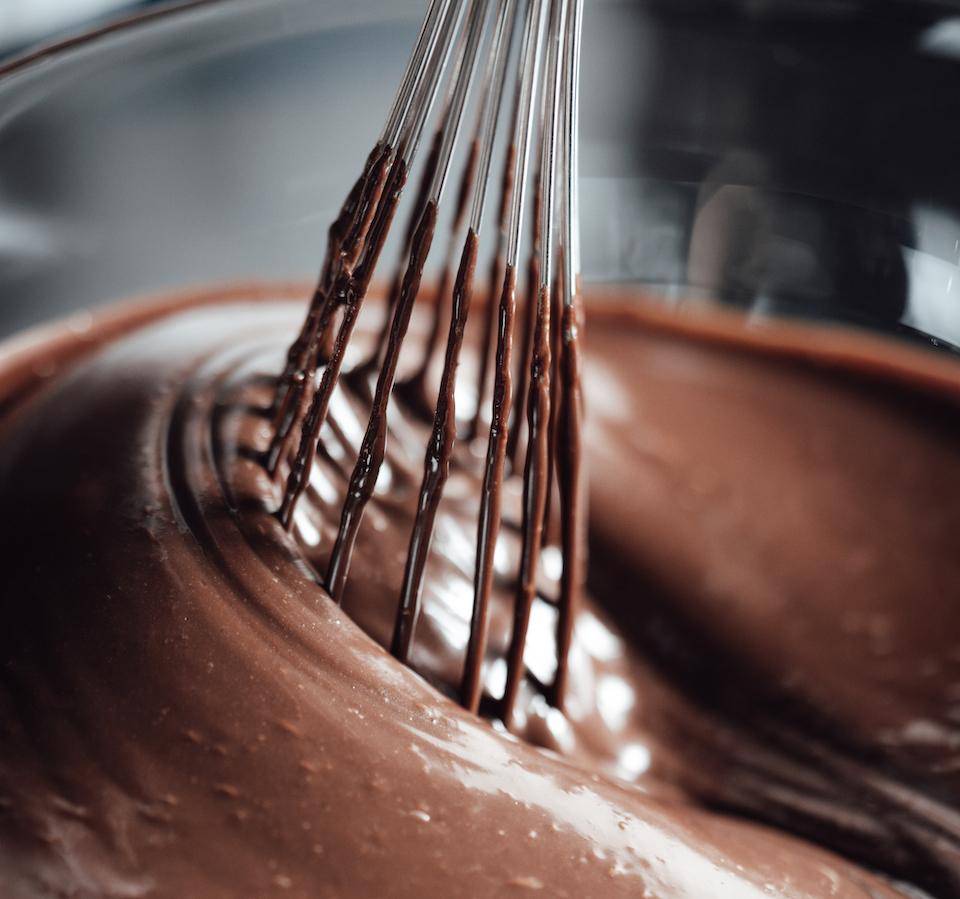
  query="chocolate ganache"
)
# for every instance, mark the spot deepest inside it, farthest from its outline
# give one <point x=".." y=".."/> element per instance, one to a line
<point x="769" y="630"/>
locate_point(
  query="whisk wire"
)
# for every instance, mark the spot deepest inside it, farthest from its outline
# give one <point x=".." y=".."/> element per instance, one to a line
<point x="443" y="435"/>
<point x="536" y="472"/>
<point x="351" y="284"/>
<point x="373" y="447"/>
<point x="568" y="457"/>
<point x="490" y="513"/>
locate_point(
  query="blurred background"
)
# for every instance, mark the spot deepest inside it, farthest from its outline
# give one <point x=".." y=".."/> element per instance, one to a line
<point x="785" y="157"/>
<point x="24" y="22"/>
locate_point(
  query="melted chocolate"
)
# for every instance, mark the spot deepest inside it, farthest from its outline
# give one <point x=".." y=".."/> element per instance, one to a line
<point x="488" y="525"/>
<point x="495" y="279"/>
<point x="349" y="291"/>
<point x="529" y="323"/>
<point x="370" y="367"/>
<point x="297" y="353"/>
<point x="569" y="463"/>
<point x="414" y="389"/>
<point x="345" y="242"/>
<point x="436" y="467"/>
<point x="536" y="483"/>
<point x="373" y="448"/>
<point x="184" y="713"/>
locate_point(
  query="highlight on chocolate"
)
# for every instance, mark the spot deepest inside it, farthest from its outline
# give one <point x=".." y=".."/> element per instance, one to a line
<point x="473" y="567"/>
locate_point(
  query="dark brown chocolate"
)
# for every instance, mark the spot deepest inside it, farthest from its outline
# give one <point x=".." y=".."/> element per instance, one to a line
<point x="414" y="389"/>
<point x="536" y="484"/>
<point x="526" y="340"/>
<point x="773" y="520"/>
<point x="436" y="466"/>
<point x="494" y="284"/>
<point x="373" y="447"/>
<point x="346" y="239"/>
<point x="571" y="487"/>
<point x="349" y="291"/>
<point x="488" y="523"/>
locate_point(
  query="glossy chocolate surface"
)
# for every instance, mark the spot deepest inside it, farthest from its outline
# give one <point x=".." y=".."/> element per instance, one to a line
<point x="185" y="712"/>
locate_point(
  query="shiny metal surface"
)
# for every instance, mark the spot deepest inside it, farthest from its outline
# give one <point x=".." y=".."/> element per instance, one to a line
<point x="786" y="157"/>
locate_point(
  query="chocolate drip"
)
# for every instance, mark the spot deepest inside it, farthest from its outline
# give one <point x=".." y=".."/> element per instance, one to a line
<point x="529" y="323"/>
<point x="414" y="388"/>
<point x="307" y="347"/>
<point x="486" y="346"/>
<point x="359" y="234"/>
<point x="536" y="485"/>
<point x="496" y="270"/>
<point x="437" y="462"/>
<point x="573" y="514"/>
<point x="348" y="292"/>
<point x="366" y="368"/>
<point x="556" y="301"/>
<point x="296" y="354"/>
<point x="488" y="526"/>
<point x="370" y="458"/>
<point x="297" y="394"/>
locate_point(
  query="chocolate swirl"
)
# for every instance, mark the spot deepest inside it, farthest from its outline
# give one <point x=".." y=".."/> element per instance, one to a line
<point x="185" y="712"/>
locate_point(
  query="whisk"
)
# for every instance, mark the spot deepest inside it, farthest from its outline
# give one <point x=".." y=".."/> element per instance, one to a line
<point x="533" y="45"/>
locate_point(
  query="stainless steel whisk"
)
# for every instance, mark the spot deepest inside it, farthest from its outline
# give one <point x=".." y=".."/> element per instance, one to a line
<point x="544" y="119"/>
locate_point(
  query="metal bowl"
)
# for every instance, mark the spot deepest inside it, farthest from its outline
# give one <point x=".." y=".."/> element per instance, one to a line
<point x="789" y="158"/>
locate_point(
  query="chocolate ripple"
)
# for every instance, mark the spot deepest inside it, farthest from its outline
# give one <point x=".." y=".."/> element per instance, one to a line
<point x="185" y="712"/>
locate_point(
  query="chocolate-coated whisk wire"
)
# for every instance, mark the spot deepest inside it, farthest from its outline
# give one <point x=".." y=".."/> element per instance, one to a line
<point x="414" y="388"/>
<point x="373" y="447"/>
<point x="528" y="322"/>
<point x="348" y="233"/>
<point x="351" y="288"/>
<point x="443" y="436"/>
<point x="488" y="526"/>
<point x="536" y="465"/>
<point x="568" y="456"/>
<point x="544" y="112"/>
<point x="362" y="374"/>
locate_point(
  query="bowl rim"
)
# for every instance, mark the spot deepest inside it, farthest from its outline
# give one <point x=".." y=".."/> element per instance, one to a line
<point x="47" y="50"/>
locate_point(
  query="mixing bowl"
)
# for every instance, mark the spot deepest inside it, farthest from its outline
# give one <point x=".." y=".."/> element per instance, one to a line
<point x="782" y="156"/>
